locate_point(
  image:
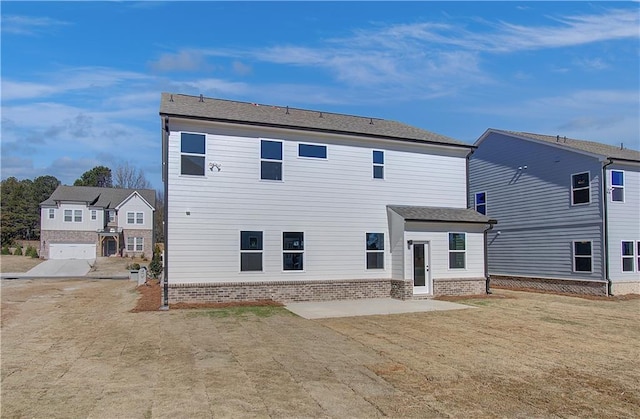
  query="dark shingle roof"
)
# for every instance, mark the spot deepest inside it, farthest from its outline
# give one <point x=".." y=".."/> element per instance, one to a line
<point x="98" y="197"/>
<point x="604" y="150"/>
<point x="293" y="118"/>
<point x="439" y="214"/>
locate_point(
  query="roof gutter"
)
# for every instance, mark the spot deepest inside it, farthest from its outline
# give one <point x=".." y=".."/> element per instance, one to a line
<point x="605" y="224"/>
<point x="320" y="130"/>
<point x="165" y="178"/>
<point x="486" y="257"/>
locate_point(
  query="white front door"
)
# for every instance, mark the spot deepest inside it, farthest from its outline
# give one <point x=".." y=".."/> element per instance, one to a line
<point x="421" y="268"/>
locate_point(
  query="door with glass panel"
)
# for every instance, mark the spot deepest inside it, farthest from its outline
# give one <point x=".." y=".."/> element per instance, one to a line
<point x="421" y="268"/>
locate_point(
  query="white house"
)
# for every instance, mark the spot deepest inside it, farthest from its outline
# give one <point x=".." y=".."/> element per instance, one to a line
<point x="82" y="222"/>
<point x="569" y="212"/>
<point x="272" y="202"/>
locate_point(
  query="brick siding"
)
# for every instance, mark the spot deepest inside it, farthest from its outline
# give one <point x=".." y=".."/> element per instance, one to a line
<point x="554" y="285"/>
<point x="294" y="291"/>
<point x="147" y="245"/>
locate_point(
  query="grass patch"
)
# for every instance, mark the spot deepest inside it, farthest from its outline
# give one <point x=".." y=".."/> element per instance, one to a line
<point x="560" y="321"/>
<point x="241" y="312"/>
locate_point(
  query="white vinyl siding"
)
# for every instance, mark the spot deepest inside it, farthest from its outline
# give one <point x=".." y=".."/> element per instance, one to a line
<point x="333" y="201"/>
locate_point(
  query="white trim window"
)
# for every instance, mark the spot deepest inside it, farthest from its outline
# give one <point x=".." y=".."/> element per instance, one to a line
<point x="52" y="213"/>
<point x="135" y="217"/>
<point x="250" y="251"/>
<point x="481" y="202"/>
<point x="375" y="250"/>
<point x="629" y="256"/>
<point x="94" y="215"/>
<point x="68" y="216"/>
<point x="617" y="186"/>
<point x="192" y="154"/>
<point x="270" y="160"/>
<point x="457" y="250"/>
<point x="582" y="256"/>
<point x="580" y="188"/>
<point x="312" y="151"/>
<point x="378" y="164"/>
<point x="293" y="251"/>
<point x="135" y="244"/>
<point x="77" y="216"/>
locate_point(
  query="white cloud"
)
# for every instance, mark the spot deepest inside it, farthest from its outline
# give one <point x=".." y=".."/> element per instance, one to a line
<point x="29" y="25"/>
<point x="185" y="60"/>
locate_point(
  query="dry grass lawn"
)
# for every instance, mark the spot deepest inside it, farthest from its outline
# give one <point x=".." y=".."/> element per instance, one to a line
<point x="11" y="263"/>
<point x="74" y="349"/>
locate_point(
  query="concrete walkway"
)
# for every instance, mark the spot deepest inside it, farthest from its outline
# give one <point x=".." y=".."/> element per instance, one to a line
<point x="70" y="268"/>
<point x="368" y="307"/>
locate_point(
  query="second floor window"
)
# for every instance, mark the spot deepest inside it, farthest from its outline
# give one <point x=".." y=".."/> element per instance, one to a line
<point x="77" y="216"/>
<point x="112" y="216"/>
<point x="68" y="216"/>
<point x="580" y="190"/>
<point x="135" y="217"/>
<point x="270" y="160"/>
<point x="481" y="202"/>
<point x="378" y="164"/>
<point x="52" y="213"/>
<point x="193" y="150"/>
<point x="94" y="214"/>
<point x="617" y="186"/>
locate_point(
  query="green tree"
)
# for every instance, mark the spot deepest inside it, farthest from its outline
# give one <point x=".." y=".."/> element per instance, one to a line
<point x="98" y="176"/>
<point x="20" y="201"/>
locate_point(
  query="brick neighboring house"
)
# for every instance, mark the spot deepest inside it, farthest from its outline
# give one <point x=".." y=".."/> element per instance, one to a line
<point x="81" y="222"/>
<point x="269" y="202"/>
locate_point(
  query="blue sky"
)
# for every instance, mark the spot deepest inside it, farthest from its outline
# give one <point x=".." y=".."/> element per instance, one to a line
<point x="81" y="81"/>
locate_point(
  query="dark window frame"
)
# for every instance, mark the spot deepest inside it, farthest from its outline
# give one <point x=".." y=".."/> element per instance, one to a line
<point x="580" y="257"/>
<point x="577" y="189"/>
<point x="293" y="251"/>
<point x="192" y="156"/>
<point x="269" y="161"/>
<point x="312" y="151"/>
<point x="251" y="245"/>
<point x="377" y="159"/>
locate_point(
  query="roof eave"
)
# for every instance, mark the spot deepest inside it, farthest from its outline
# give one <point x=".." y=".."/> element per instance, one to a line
<point x="311" y="129"/>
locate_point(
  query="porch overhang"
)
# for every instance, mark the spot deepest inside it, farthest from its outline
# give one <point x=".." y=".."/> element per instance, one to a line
<point x="440" y="215"/>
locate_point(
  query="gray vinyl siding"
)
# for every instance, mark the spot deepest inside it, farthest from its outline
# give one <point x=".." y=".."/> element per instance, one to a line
<point x="528" y="187"/>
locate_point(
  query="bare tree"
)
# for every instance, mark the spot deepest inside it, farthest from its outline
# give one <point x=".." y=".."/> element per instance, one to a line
<point x="128" y="176"/>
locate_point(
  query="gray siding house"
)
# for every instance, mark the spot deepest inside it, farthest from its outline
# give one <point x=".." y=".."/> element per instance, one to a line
<point x="569" y="212"/>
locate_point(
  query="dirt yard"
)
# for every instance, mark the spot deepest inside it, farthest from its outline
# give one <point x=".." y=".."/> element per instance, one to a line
<point x="74" y="349"/>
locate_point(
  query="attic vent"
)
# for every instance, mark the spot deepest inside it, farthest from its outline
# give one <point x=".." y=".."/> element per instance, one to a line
<point x="201" y="98"/>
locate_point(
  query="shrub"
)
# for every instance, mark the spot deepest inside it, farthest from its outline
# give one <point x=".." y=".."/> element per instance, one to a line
<point x="155" y="267"/>
<point x="5" y="250"/>
<point x="133" y="267"/>
<point x="18" y="251"/>
<point x="32" y="252"/>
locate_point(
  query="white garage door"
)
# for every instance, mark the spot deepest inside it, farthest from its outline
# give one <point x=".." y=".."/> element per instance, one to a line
<point x="72" y="251"/>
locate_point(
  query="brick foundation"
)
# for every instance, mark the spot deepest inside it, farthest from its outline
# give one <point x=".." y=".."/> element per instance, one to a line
<point x="554" y="285"/>
<point x="461" y="286"/>
<point x="293" y="291"/>
<point x="623" y="288"/>
<point x="281" y="291"/>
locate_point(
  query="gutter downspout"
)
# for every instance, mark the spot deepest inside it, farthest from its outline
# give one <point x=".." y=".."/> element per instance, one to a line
<point x="486" y="257"/>
<point x="605" y="232"/>
<point x="165" y="178"/>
